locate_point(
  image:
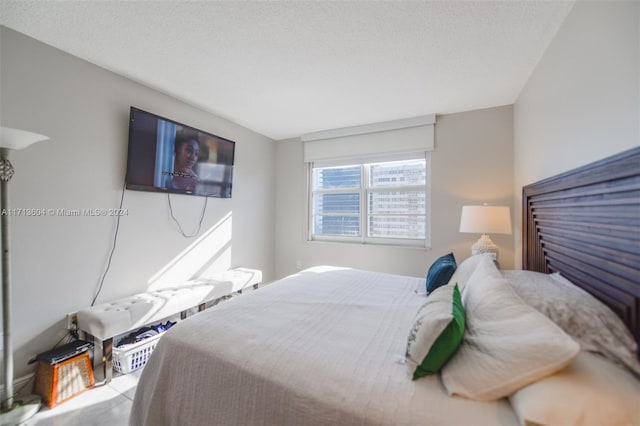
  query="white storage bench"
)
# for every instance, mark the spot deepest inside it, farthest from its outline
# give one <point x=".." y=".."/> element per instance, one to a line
<point x="107" y="320"/>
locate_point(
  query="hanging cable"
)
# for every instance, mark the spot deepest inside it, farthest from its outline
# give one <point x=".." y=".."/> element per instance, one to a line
<point x="113" y="247"/>
<point x="197" y="231"/>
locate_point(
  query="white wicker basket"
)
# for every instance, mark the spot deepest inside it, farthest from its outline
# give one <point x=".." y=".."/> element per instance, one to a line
<point x="128" y="358"/>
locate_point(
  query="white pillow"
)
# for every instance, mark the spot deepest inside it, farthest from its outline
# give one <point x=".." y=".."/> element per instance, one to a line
<point x="590" y="391"/>
<point x="466" y="268"/>
<point x="507" y="344"/>
<point x="589" y="321"/>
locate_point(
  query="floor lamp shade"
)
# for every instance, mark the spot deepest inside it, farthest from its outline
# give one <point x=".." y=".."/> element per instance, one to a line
<point x="485" y="220"/>
<point x="11" y="139"/>
<point x="18" y="139"/>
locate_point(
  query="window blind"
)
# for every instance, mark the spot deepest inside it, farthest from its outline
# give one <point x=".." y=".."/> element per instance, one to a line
<point x="374" y="140"/>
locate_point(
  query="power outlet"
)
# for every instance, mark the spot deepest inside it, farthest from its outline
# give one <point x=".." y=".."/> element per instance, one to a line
<point x="72" y="321"/>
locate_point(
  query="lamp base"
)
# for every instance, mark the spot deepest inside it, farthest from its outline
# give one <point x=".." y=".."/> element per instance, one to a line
<point x="22" y="411"/>
<point x="485" y="245"/>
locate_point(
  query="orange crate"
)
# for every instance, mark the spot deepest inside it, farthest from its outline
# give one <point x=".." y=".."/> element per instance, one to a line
<point x="57" y="383"/>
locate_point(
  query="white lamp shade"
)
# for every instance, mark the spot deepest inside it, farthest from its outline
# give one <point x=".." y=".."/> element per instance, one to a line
<point x="18" y="139"/>
<point x="485" y="220"/>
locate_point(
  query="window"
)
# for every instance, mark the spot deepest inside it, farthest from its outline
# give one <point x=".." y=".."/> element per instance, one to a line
<point x="380" y="203"/>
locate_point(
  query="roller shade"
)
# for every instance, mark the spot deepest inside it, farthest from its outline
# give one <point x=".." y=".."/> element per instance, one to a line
<point x="410" y="135"/>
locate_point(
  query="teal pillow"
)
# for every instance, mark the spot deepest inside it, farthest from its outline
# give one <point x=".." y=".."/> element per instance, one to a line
<point x="440" y="272"/>
<point x="436" y="333"/>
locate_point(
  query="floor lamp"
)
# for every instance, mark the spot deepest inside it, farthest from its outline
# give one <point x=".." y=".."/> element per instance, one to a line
<point x="12" y="412"/>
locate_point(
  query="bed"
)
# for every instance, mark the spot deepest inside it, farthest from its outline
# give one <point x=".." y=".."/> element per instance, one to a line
<point x="330" y="345"/>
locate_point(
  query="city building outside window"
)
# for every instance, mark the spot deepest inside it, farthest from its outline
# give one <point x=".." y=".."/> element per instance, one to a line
<point x="375" y="203"/>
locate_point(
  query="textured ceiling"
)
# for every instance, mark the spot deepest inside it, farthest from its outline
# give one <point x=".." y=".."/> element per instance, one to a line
<point x="287" y="68"/>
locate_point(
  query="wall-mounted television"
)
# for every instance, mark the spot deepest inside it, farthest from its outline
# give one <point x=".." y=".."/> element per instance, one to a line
<point x="167" y="156"/>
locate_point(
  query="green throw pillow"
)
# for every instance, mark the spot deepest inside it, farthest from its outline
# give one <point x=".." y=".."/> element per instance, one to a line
<point x="437" y="331"/>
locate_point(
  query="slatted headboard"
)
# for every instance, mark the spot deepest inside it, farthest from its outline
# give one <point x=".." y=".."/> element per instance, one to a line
<point x="585" y="224"/>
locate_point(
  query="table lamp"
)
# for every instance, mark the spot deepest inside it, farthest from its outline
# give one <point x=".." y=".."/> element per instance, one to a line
<point x="13" y="412"/>
<point x="485" y="220"/>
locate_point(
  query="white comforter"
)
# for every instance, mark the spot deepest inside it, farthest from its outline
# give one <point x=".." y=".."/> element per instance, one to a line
<point x="318" y="348"/>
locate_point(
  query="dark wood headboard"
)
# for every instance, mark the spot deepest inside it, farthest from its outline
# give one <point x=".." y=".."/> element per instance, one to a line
<point x="585" y="224"/>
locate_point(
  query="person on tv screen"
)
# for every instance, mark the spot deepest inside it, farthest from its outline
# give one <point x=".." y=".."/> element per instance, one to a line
<point x="187" y="151"/>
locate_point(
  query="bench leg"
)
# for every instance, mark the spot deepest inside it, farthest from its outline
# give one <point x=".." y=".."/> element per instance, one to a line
<point x="107" y="359"/>
<point x="255" y="286"/>
<point x="89" y="338"/>
<point x="202" y="307"/>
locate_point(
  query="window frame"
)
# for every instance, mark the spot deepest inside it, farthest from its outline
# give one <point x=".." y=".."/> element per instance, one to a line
<point x="364" y="190"/>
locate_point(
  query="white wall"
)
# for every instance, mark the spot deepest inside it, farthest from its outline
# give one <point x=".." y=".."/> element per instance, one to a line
<point x="582" y="102"/>
<point x="472" y="163"/>
<point x="58" y="261"/>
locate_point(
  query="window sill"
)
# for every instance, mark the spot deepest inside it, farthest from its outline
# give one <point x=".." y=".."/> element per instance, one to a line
<point x="370" y="244"/>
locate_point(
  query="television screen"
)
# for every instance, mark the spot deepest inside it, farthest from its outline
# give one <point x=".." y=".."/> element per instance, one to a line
<point x="166" y="156"/>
